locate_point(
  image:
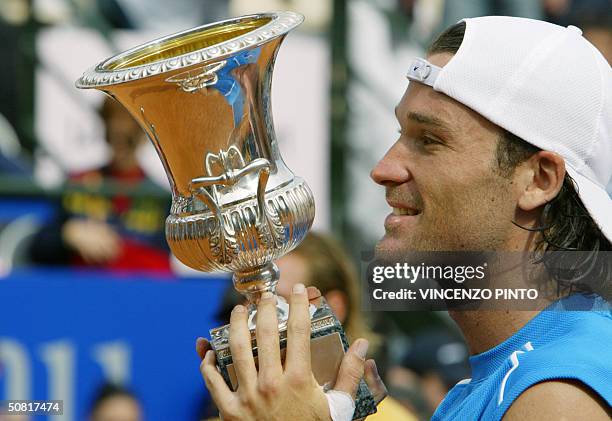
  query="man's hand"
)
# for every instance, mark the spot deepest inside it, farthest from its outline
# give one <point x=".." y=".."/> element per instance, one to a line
<point x="275" y="392"/>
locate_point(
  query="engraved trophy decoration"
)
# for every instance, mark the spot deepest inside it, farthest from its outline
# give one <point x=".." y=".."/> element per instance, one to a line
<point x="203" y="98"/>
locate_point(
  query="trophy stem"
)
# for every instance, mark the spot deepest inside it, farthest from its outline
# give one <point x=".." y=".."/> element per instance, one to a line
<point x="255" y="281"/>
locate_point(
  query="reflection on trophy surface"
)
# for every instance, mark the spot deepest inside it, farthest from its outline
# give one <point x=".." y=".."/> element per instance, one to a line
<point x="203" y="98"/>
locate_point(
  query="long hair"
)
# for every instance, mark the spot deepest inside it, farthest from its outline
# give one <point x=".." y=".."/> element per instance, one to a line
<point x="329" y="269"/>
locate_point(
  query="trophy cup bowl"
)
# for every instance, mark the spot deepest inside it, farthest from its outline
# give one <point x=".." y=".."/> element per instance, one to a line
<point x="203" y="98"/>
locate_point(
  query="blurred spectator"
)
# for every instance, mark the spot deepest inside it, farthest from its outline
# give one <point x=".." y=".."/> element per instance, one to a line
<point x="433" y="361"/>
<point x="321" y="262"/>
<point x="115" y="403"/>
<point x="117" y="230"/>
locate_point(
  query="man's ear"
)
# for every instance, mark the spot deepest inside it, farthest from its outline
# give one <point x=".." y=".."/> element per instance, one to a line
<point x="541" y="177"/>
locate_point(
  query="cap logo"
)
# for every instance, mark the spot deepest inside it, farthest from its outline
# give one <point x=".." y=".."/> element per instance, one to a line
<point x="423" y="71"/>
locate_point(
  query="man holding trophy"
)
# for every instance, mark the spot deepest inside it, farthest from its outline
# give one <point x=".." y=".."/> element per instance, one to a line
<point x="454" y="180"/>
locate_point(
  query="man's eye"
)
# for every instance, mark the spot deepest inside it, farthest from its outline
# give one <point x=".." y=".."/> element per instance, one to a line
<point x="426" y="140"/>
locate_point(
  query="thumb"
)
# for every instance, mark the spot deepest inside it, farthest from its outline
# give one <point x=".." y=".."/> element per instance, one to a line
<point x="374" y="382"/>
<point x="352" y="368"/>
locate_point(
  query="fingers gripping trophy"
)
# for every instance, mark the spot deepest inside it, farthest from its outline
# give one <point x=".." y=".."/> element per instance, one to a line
<point x="203" y="98"/>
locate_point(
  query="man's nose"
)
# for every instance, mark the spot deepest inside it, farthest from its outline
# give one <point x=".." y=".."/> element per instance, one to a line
<point x="391" y="169"/>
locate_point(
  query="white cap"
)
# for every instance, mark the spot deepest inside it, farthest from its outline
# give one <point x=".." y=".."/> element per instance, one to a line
<point x="545" y="84"/>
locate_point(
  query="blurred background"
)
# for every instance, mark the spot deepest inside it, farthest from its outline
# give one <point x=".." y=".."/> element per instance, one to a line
<point x="94" y="310"/>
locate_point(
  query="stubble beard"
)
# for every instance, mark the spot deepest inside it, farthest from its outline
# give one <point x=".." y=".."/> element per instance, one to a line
<point x="473" y="221"/>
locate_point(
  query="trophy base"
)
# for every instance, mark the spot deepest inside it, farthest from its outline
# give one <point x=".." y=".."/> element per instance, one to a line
<point x="328" y="344"/>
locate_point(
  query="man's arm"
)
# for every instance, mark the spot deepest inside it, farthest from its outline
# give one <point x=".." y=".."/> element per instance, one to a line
<point x="559" y="400"/>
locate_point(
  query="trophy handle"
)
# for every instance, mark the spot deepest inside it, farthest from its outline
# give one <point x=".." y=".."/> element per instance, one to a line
<point x="274" y="225"/>
<point x="270" y="225"/>
<point x="230" y="177"/>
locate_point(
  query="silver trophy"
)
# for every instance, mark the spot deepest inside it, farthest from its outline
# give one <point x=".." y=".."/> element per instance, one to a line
<point x="203" y="98"/>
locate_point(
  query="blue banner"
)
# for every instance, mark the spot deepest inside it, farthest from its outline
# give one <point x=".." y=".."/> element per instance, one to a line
<point x="62" y="332"/>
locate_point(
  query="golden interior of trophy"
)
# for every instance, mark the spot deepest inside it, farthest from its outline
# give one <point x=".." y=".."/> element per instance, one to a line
<point x="187" y="43"/>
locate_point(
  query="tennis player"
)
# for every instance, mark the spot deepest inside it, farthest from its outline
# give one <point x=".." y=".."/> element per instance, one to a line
<point x="505" y="144"/>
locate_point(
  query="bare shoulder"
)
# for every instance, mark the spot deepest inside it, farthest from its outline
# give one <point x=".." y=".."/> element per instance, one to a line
<point x="559" y="399"/>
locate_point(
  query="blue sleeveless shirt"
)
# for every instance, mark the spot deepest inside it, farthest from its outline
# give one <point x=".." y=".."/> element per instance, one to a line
<point x="571" y="339"/>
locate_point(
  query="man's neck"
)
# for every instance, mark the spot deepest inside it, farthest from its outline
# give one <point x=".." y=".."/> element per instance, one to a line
<point x="485" y="329"/>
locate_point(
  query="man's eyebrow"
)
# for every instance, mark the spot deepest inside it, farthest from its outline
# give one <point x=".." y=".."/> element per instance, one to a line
<point x="428" y="120"/>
